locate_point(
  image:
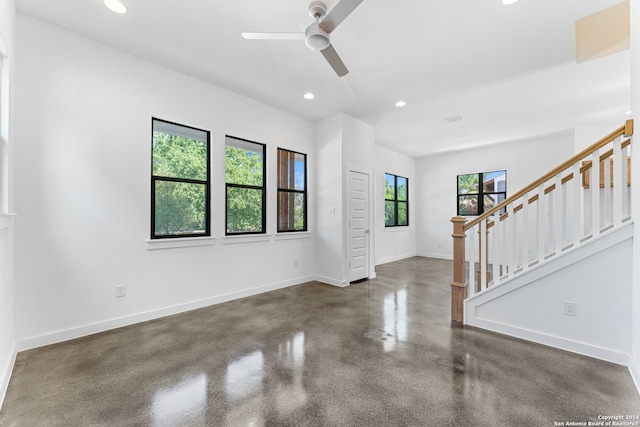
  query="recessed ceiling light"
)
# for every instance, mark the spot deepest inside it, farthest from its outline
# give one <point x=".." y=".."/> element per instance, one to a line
<point x="628" y="112"/>
<point x="401" y="103"/>
<point x="115" y="6"/>
<point x="309" y="95"/>
<point x="509" y="1"/>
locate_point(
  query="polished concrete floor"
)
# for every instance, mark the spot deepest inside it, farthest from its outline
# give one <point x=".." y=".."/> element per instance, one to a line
<point x="378" y="353"/>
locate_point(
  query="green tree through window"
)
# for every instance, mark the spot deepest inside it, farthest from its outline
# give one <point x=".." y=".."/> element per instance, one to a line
<point x="478" y="192"/>
<point x="396" y="200"/>
<point x="245" y="190"/>
<point x="180" y="181"/>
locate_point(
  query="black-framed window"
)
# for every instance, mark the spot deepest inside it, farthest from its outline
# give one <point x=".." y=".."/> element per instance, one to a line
<point x="479" y="192"/>
<point x="245" y="171"/>
<point x="180" y="180"/>
<point x="292" y="191"/>
<point x="396" y="200"/>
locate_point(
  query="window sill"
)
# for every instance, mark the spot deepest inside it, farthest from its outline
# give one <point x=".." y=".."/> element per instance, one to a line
<point x="180" y="242"/>
<point x="293" y="235"/>
<point x="397" y="229"/>
<point x="246" y="238"/>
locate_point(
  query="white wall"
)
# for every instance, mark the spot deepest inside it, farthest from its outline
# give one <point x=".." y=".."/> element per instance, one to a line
<point x="7" y="82"/>
<point x="532" y="305"/>
<point x="588" y="134"/>
<point x="635" y="178"/>
<point x="83" y="190"/>
<point x="524" y="162"/>
<point x="358" y="143"/>
<point x="394" y="243"/>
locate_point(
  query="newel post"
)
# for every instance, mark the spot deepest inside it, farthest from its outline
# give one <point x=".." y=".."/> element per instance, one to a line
<point x="628" y="128"/>
<point x="459" y="286"/>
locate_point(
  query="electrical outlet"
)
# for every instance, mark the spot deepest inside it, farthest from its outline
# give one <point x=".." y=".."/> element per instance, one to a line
<point x="295" y="262"/>
<point x="121" y="291"/>
<point x="569" y="308"/>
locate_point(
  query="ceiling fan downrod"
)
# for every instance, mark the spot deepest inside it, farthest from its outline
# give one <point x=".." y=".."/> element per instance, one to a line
<point x="317" y="10"/>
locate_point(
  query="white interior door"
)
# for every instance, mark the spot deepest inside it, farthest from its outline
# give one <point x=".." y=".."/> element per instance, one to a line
<point x="358" y="226"/>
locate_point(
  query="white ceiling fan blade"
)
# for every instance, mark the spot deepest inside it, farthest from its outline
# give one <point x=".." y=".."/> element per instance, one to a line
<point x="334" y="60"/>
<point x="338" y="14"/>
<point x="273" y="36"/>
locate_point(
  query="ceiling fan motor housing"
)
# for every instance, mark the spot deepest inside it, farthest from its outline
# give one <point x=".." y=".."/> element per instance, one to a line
<point x="316" y="38"/>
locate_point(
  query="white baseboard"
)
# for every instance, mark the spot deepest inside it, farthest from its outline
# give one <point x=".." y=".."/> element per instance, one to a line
<point x="585" y="349"/>
<point x="434" y="255"/>
<point x="5" y="373"/>
<point x="634" y="369"/>
<point x="330" y="281"/>
<point x="94" y="328"/>
<point x="395" y="258"/>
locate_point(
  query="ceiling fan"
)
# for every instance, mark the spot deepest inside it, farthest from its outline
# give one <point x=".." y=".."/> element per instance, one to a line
<point x="316" y="36"/>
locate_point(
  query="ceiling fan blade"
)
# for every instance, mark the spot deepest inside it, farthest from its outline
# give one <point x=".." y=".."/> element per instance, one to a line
<point x="334" y="60"/>
<point x="338" y="14"/>
<point x="273" y="36"/>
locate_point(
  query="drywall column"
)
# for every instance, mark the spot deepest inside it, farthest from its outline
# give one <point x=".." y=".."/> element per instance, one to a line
<point x="342" y="142"/>
<point x="329" y="239"/>
<point x="358" y="152"/>
<point x="635" y="179"/>
<point x="7" y="305"/>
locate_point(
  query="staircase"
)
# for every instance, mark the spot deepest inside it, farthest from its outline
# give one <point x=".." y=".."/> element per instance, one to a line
<point x="566" y="217"/>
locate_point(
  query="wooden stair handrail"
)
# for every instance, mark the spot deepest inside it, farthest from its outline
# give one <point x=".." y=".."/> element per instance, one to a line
<point x="566" y="179"/>
<point x="625" y="130"/>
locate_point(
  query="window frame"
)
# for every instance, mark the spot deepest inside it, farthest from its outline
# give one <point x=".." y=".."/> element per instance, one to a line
<point x="292" y="191"/>
<point x="206" y="183"/>
<point x="481" y="192"/>
<point x="395" y="200"/>
<point x="263" y="189"/>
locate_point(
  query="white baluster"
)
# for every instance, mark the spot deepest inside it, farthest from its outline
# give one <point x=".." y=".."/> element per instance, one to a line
<point x="607" y="194"/>
<point x="542" y="216"/>
<point x="626" y="189"/>
<point x="558" y="219"/>
<point x="510" y="248"/>
<point x="619" y="181"/>
<point x="471" y="250"/>
<point x="497" y="248"/>
<point x="595" y="193"/>
<point x="483" y="254"/>
<point x="524" y="232"/>
<point x="576" y="204"/>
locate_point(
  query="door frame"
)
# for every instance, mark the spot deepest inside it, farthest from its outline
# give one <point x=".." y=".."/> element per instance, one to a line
<point x="346" y="229"/>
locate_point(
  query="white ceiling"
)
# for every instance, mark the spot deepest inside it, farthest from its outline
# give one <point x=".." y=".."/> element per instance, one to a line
<point x="510" y="71"/>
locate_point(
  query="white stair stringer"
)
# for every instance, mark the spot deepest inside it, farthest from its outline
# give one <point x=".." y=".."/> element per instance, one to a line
<point x="595" y="275"/>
